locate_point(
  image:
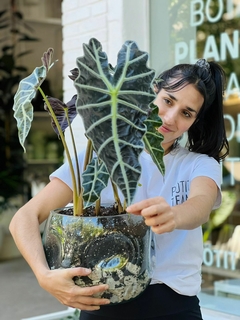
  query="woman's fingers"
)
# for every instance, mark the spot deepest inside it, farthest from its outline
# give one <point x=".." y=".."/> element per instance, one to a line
<point x="83" y="298"/>
<point x="60" y="284"/>
<point x="157" y="212"/>
<point x="138" y="207"/>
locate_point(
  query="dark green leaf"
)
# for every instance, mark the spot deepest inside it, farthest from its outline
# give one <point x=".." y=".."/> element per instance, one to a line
<point x="3" y="26"/>
<point x="21" y="69"/>
<point x="95" y="179"/>
<point x="2" y="12"/>
<point x="7" y="63"/>
<point x="113" y="103"/>
<point x="153" y="138"/>
<point x="74" y="74"/>
<point x="28" y="38"/>
<point x="63" y="112"/>
<point x="23" y="53"/>
<point x="6" y="48"/>
<point x="23" y="109"/>
<point x="14" y="31"/>
<point x="47" y="58"/>
<point x="18" y="15"/>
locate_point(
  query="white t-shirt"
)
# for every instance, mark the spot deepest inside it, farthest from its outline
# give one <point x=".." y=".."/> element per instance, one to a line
<point x="178" y="254"/>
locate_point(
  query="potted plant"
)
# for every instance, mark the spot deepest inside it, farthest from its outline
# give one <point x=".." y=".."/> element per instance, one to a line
<point x="120" y="120"/>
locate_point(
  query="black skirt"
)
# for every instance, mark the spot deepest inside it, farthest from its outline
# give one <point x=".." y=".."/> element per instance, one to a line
<point x="158" y="301"/>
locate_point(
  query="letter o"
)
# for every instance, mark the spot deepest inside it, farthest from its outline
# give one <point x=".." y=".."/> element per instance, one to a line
<point x="208" y="257"/>
<point x="220" y="11"/>
<point x="232" y="123"/>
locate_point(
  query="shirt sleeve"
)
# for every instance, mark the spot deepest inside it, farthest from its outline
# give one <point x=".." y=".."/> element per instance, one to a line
<point x="63" y="172"/>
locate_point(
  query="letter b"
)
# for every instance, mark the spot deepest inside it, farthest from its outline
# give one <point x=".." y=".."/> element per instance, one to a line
<point x="196" y="14"/>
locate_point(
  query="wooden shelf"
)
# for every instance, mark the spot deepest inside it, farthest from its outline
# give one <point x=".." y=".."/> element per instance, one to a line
<point x="51" y="21"/>
<point x="42" y="161"/>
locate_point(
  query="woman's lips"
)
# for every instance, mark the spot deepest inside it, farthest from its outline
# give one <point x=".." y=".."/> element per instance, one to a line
<point x="164" y="129"/>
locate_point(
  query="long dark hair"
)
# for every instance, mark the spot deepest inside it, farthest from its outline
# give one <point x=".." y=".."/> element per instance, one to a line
<point x="207" y="134"/>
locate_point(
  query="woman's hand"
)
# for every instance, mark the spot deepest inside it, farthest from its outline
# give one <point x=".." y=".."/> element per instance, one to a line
<point x="59" y="283"/>
<point x="190" y="214"/>
<point x="158" y="214"/>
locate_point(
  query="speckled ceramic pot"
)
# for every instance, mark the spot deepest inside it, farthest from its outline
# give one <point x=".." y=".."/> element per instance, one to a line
<point x="116" y="248"/>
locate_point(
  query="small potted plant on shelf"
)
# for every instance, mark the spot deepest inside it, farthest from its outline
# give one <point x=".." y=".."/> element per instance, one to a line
<point x="120" y="120"/>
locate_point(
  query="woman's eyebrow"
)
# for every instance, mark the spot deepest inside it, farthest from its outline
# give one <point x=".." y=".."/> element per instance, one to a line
<point x="175" y="99"/>
<point x="171" y="96"/>
<point x="192" y="110"/>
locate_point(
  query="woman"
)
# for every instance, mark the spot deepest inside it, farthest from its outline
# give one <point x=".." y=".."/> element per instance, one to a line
<point x="189" y="98"/>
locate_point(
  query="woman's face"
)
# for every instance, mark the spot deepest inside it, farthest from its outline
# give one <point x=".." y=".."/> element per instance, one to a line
<point x="178" y="111"/>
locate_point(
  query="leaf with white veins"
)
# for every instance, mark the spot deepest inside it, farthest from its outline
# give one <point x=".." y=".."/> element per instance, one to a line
<point x="113" y="103"/>
<point x="23" y="108"/>
<point x="153" y="138"/>
<point x="95" y="179"/>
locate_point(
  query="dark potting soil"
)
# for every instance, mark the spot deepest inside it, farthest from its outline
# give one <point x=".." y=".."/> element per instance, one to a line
<point x="91" y="212"/>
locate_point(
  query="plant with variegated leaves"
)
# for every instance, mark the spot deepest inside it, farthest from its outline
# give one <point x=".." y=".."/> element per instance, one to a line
<point x="119" y="117"/>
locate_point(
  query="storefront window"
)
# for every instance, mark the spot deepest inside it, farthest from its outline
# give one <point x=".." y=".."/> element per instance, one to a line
<point x="183" y="31"/>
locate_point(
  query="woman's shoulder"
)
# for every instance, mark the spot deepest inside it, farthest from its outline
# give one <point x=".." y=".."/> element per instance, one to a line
<point x="179" y="155"/>
<point x="183" y="153"/>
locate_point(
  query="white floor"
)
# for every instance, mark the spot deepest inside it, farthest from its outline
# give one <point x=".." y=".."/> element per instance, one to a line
<point x="53" y="316"/>
<point x="214" y="315"/>
<point x="219" y="308"/>
<point x="207" y="315"/>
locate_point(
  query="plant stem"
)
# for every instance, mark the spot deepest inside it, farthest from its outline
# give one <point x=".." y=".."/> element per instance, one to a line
<point x="77" y="199"/>
<point x="97" y="207"/>
<point x="116" y="197"/>
<point x="88" y="155"/>
<point x="79" y="184"/>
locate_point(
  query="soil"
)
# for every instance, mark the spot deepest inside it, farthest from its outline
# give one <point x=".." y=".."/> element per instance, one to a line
<point x="90" y="211"/>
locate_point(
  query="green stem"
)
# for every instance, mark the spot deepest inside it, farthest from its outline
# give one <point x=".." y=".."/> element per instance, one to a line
<point x="79" y="184"/>
<point x="97" y="207"/>
<point x="77" y="203"/>
<point x="88" y="155"/>
<point x="116" y="197"/>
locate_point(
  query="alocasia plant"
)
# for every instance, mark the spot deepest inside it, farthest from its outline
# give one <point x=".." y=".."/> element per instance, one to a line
<point x="119" y="117"/>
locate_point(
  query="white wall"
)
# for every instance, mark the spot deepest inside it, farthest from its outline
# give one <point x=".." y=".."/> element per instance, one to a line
<point x="83" y="20"/>
<point x="112" y="22"/>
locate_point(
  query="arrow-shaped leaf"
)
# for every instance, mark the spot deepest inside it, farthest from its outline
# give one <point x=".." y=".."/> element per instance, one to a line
<point x="23" y="108"/>
<point x="95" y="179"/>
<point x="113" y="103"/>
<point x="65" y="113"/>
<point x="153" y="138"/>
